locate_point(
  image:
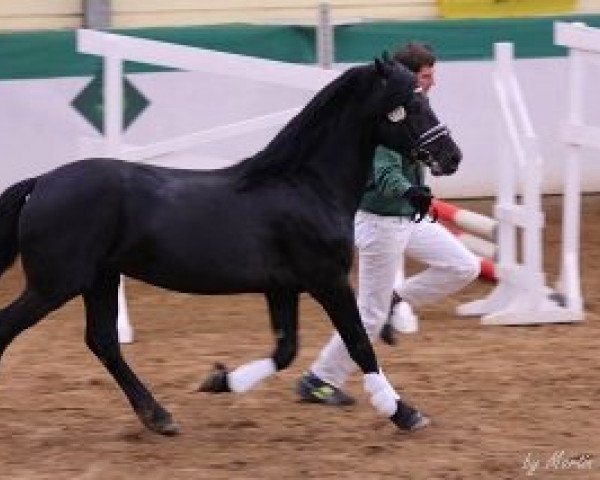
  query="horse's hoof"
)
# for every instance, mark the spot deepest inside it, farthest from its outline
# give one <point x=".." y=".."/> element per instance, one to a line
<point x="408" y="418"/>
<point x="159" y="421"/>
<point x="216" y="381"/>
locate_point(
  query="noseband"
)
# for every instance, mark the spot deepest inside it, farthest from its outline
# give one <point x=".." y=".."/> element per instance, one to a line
<point x="428" y="137"/>
<point x="432" y="134"/>
<point x="420" y="152"/>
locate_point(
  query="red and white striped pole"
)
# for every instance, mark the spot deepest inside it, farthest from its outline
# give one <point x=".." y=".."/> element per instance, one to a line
<point x="485" y="250"/>
<point x="488" y="270"/>
<point x="469" y="227"/>
<point x="466" y="220"/>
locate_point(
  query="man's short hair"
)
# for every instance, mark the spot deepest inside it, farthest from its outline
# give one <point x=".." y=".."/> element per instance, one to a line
<point x="415" y="56"/>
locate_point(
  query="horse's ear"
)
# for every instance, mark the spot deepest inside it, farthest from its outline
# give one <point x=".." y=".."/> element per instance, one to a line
<point x="380" y="67"/>
<point x="383" y="64"/>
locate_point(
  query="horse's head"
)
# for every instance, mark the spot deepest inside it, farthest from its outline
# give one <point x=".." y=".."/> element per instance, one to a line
<point x="407" y="124"/>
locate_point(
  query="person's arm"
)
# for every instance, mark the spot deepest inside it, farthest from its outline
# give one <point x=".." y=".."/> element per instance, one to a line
<point x="388" y="175"/>
<point x="391" y="181"/>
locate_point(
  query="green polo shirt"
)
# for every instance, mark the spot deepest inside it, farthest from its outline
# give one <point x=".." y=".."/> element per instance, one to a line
<point x="391" y="177"/>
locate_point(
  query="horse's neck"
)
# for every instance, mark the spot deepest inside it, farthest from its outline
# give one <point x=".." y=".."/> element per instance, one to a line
<point x="343" y="169"/>
<point x="344" y="152"/>
<point x="327" y="144"/>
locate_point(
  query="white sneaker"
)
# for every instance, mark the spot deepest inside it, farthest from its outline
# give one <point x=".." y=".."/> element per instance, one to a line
<point x="403" y="318"/>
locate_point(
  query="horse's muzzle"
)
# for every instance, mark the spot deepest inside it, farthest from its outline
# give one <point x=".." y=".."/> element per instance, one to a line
<point x="447" y="164"/>
<point x="454" y="160"/>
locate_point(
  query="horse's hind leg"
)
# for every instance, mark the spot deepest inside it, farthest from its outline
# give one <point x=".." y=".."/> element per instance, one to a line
<point x="23" y="313"/>
<point x="283" y="310"/>
<point x="101" y="336"/>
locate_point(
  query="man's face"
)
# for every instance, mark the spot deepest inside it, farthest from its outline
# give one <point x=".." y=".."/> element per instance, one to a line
<point x="425" y="78"/>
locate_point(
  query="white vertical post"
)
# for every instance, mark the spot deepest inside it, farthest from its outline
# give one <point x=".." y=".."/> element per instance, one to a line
<point x="532" y="194"/>
<point x="113" y="131"/>
<point x="113" y="104"/>
<point x="569" y="276"/>
<point x="124" y="328"/>
<point x="507" y="240"/>
<point x="532" y="205"/>
<point x="506" y="129"/>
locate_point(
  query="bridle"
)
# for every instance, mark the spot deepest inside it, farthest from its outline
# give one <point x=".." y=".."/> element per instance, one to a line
<point x="419" y="151"/>
<point x="422" y="154"/>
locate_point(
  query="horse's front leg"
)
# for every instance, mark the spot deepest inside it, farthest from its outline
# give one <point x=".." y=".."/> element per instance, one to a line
<point x="340" y="304"/>
<point x="283" y="311"/>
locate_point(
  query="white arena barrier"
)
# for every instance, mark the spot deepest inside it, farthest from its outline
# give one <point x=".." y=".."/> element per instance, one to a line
<point x="521" y="296"/>
<point x="115" y="49"/>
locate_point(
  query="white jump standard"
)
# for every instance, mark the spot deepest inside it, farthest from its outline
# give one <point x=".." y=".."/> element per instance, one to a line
<point x="522" y="296"/>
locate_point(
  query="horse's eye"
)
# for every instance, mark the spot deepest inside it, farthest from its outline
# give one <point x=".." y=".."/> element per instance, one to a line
<point x="397" y="115"/>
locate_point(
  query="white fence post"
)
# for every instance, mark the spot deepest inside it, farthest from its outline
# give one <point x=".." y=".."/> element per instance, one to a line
<point x="113" y="103"/>
<point x="112" y="92"/>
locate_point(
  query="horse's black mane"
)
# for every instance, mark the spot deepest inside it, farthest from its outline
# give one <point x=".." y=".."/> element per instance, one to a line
<point x="292" y="146"/>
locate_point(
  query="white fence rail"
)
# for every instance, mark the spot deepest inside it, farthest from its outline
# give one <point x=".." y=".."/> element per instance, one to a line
<point x="115" y="49"/>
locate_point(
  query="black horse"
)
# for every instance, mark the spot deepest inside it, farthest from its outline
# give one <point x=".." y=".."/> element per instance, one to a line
<point x="278" y="223"/>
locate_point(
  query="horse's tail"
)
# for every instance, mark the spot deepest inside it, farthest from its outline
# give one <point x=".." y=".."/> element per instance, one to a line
<point x="11" y="202"/>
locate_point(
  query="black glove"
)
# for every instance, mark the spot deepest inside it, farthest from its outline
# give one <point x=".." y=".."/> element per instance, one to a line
<point x="420" y="198"/>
